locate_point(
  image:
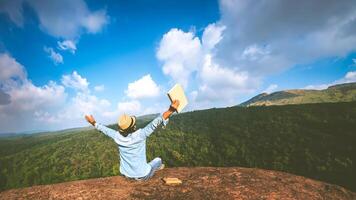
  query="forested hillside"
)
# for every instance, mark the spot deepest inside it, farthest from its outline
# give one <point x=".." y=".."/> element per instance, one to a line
<point x="338" y="93"/>
<point x="313" y="140"/>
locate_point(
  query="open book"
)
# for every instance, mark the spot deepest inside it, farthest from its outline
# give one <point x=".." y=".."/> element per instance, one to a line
<point x="177" y="93"/>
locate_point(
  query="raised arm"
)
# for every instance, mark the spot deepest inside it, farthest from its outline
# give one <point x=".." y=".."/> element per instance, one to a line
<point x="107" y="131"/>
<point x="148" y="130"/>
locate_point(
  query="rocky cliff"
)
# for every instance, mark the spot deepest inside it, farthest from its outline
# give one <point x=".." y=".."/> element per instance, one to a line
<point x="198" y="183"/>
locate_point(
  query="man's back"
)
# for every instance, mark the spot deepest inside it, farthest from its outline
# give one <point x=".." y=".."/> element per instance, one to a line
<point x="133" y="162"/>
<point x="132" y="148"/>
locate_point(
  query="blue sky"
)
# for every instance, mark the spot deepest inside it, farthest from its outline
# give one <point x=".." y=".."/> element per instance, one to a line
<point x="62" y="59"/>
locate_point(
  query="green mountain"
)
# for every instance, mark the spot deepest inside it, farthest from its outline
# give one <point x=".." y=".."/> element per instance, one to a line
<point x="337" y="93"/>
<point x="312" y="140"/>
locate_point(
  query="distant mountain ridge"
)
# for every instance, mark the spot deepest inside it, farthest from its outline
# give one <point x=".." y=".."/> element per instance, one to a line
<point x="337" y="93"/>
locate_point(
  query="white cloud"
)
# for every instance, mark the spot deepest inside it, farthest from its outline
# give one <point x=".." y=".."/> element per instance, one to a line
<point x="180" y="53"/>
<point x="10" y="69"/>
<point x="155" y="108"/>
<point x="145" y="87"/>
<point x="25" y="97"/>
<point x="13" y="9"/>
<point x="95" y="21"/>
<point x="75" y="81"/>
<point x="317" y="87"/>
<point x="132" y="107"/>
<point x="72" y="112"/>
<point x="25" y="106"/>
<point x="216" y="83"/>
<point x="254" y="52"/>
<point x="68" y="45"/>
<point x="4" y="98"/>
<point x="60" y="18"/>
<point x="64" y="19"/>
<point x="269" y="37"/>
<point x="212" y="35"/>
<point x="68" y="19"/>
<point x="253" y="40"/>
<point x="99" y="88"/>
<point x="55" y="57"/>
<point x="142" y="88"/>
<point x="30" y="97"/>
<point x="349" y="77"/>
<point x="271" y="88"/>
<point x="219" y="83"/>
<point x="43" y="116"/>
<point x="83" y="102"/>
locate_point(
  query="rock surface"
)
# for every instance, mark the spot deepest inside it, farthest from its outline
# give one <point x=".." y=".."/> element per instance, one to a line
<point x="198" y="183"/>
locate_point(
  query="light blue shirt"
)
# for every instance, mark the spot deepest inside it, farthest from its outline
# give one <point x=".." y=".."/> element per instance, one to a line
<point x="132" y="148"/>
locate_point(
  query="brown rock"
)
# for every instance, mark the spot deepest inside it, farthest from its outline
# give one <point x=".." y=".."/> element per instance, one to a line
<point x="198" y="183"/>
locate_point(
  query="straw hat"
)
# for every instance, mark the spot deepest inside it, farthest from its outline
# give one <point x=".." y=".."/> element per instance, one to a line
<point x="126" y="122"/>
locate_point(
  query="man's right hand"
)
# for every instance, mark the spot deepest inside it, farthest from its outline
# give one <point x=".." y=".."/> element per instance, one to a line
<point x="90" y="119"/>
<point x="172" y="108"/>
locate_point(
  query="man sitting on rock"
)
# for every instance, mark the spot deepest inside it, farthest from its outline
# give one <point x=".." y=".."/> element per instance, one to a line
<point x="132" y="143"/>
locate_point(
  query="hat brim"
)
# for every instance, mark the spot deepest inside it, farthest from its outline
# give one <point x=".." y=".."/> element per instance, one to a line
<point x="133" y="121"/>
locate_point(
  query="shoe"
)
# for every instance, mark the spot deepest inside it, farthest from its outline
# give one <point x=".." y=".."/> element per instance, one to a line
<point x="161" y="167"/>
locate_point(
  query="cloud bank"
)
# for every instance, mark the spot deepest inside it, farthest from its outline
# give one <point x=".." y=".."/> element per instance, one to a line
<point x="31" y="106"/>
<point x="253" y="40"/>
<point x="227" y="59"/>
<point x="65" y="20"/>
<point x="59" y="18"/>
